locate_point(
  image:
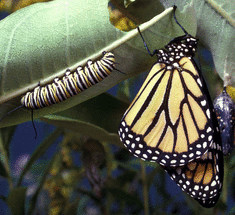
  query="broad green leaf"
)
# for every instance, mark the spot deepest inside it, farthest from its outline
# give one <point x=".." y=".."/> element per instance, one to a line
<point x="40" y="41"/>
<point x="16" y="200"/>
<point x="98" y="118"/>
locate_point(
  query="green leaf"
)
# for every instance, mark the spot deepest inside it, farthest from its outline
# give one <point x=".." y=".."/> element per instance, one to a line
<point x="16" y="200"/>
<point x="40" y="41"/>
<point x="5" y="139"/>
<point x="7" y="134"/>
<point x="3" y="171"/>
<point x="98" y="118"/>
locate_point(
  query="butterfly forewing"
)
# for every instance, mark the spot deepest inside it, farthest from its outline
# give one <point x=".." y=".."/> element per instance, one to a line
<point x="169" y="120"/>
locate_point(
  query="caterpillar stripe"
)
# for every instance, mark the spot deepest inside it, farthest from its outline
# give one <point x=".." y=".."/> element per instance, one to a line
<point x="71" y="84"/>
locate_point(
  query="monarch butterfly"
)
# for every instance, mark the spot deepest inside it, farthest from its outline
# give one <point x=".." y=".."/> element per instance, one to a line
<point x="171" y="121"/>
<point x="69" y="85"/>
<point x="224" y="109"/>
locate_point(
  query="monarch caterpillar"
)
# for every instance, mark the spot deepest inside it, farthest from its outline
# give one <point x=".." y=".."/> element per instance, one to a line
<point x="71" y="84"/>
<point x="224" y="109"/>
<point x="171" y="121"/>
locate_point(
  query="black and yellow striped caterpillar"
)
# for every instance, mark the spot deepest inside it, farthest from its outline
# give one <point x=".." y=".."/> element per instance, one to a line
<point x="71" y="84"/>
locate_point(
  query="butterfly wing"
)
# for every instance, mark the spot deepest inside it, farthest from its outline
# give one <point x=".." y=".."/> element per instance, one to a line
<point x="202" y="178"/>
<point x="169" y="121"/>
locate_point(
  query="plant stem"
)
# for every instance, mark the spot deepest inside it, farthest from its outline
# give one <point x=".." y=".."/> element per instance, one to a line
<point x="5" y="161"/>
<point x="145" y="188"/>
<point x="224" y="194"/>
<point x="109" y="162"/>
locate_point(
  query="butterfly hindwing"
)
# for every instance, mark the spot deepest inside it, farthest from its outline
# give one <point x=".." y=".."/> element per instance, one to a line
<point x="202" y="178"/>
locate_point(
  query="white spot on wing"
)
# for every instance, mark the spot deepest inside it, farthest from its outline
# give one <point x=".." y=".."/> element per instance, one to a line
<point x="208" y="113"/>
<point x="130" y="135"/>
<point x="145" y="156"/>
<point x="210" y="138"/>
<point x="208" y="130"/>
<point x="204" y="145"/>
<point x="213" y="183"/>
<point x="203" y="103"/>
<point x="137" y="152"/>
<point x="199" y="82"/>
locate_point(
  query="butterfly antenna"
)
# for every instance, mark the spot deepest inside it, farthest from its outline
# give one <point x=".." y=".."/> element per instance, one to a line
<point x="34" y="127"/>
<point x="145" y="44"/>
<point x="174" y="9"/>
<point x="8" y="113"/>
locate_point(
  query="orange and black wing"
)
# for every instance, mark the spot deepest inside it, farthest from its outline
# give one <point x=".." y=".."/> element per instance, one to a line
<point x="169" y="121"/>
<point x="202" y="178"/>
